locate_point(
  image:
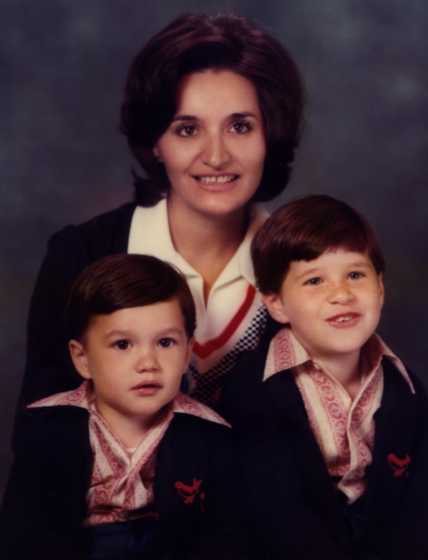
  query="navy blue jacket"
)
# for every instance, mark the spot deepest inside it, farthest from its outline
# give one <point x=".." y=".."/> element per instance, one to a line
<point x="45" y="500"/>
<point x="293" y="508"/>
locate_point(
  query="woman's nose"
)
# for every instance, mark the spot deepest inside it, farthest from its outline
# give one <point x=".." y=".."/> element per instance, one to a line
<point x="216" y="154"/>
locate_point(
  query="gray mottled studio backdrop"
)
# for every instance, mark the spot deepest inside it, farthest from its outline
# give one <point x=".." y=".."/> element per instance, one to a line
<point x="62" y="69"/>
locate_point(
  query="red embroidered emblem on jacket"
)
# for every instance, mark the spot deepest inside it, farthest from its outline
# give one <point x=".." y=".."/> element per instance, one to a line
<point x="191" y="493"/>
<point x="398" y="465"/>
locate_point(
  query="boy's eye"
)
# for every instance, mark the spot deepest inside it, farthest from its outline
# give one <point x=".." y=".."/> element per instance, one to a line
<point x="122" y="344"/>
<point x="241" y="127"/>
<point x="186" y="130"/>
<point x="356" y="275"/>
<point x="167" y="342"/>
<point x="314" y="281"/>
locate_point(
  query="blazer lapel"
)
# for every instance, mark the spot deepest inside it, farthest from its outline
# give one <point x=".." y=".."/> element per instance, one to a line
<point x="180" y="469"/>
<point x="396" y="424"/>
<point x="295" y="438"/>
<point x="108" y="233"/>
<point x="120" y="233"/>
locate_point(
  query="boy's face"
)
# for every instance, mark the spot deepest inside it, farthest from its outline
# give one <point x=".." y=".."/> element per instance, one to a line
<point x="333" y="303"/>
<point x="136" y="358"/>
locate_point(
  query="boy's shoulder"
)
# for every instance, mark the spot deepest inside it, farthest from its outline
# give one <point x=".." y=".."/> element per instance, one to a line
<point x="195" y="419"/>
<point x="244" y="388"/>
<point x="51" y="427"/>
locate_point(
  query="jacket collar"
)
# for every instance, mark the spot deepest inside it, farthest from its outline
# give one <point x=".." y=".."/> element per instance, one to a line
<point x="292" y="425"/>
<point x="397" y="423"/>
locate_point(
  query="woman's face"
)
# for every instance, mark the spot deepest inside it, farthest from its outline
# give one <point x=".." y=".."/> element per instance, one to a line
<point x="214" y="149"/>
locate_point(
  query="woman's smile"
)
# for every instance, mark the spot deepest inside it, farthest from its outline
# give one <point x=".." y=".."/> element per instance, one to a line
<point x="215" y="179"/>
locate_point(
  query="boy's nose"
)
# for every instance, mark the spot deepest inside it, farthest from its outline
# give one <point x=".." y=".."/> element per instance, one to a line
<point x="215" y="154"/>
<point x="341" y="293"/>
<point x="147" y="360"/>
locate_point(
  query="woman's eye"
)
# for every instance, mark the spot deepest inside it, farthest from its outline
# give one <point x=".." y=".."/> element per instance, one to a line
<point x="356" y="275"/>
<point x="186" y="130"/>
<point x="241" y="127"/>
<point x="315" y="281"/>
<point x="167" y="342"/>
<point x="122" y="344"/>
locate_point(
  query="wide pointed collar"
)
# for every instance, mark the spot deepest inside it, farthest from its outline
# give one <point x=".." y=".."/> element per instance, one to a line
<point x="83" y="397"/>
<point x="150" y="235"/>
<point x="286" y="352"/>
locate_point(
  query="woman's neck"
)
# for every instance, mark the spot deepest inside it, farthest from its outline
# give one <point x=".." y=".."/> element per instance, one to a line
<point x="207" y="243"/>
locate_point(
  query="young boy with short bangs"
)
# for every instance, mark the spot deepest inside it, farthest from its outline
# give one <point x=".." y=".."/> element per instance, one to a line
<point x="334" y="427"/>
<point x="124" y="466"/>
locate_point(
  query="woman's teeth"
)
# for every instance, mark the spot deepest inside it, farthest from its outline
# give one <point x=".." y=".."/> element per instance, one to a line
<point x="219" y="179"/>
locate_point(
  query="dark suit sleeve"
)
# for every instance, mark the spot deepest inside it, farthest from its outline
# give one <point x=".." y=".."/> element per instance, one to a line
<point x="412" y="519"/>
<point x="45" y="499"/>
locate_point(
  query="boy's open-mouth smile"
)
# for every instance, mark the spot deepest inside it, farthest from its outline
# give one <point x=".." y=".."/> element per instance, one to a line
<point x="344" y="320"/>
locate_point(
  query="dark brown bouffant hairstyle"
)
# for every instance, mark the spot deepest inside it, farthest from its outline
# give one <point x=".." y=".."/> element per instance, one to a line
<point x="122" y="281"/>
<point x="303" y="230"/>
<point x="193" y="43"/>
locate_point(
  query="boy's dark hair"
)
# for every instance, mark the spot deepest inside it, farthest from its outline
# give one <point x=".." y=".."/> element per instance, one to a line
<point x="303" y="230"/>
<point x="121" y="281"/>
<point x="197" y="42"/>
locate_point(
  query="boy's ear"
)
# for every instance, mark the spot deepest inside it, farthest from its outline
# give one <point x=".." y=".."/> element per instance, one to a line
<point x="275" y="307"/>
<point x="79" y="358"/>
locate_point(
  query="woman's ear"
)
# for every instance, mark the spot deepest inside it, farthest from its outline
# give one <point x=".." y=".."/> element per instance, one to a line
<point x="275" y="306"/>
<point x="79" y="358"/>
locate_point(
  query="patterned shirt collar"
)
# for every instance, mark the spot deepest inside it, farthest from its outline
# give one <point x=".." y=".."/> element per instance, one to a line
<point x="83" y="397"/>
<point x="286" y="352"/>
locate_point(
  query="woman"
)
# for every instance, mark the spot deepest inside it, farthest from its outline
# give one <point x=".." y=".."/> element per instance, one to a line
<point x="212" y="112"/>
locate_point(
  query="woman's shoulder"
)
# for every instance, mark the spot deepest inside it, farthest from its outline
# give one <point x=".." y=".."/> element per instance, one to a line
<point x="101" y="235"/>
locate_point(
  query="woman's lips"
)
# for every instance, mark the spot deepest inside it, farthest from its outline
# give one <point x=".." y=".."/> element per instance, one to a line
<point x="216" y="183"/>
<point x="216" y="179"/>
<point x="344" y="320"/>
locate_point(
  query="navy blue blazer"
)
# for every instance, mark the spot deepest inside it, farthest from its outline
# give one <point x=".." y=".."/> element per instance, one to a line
<point x="292" y="506"/>
<point x="45" y="500"/>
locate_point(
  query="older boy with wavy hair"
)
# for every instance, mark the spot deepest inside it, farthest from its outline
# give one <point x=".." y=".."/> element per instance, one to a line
<point x="336" y="425"/>
<point x="124" y="466"/>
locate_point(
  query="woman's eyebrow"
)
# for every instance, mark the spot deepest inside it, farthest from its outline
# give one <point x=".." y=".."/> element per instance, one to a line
<point x="242" y="115"/>
<point x="184" y="118"/>
<point x="238" y="115"/>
